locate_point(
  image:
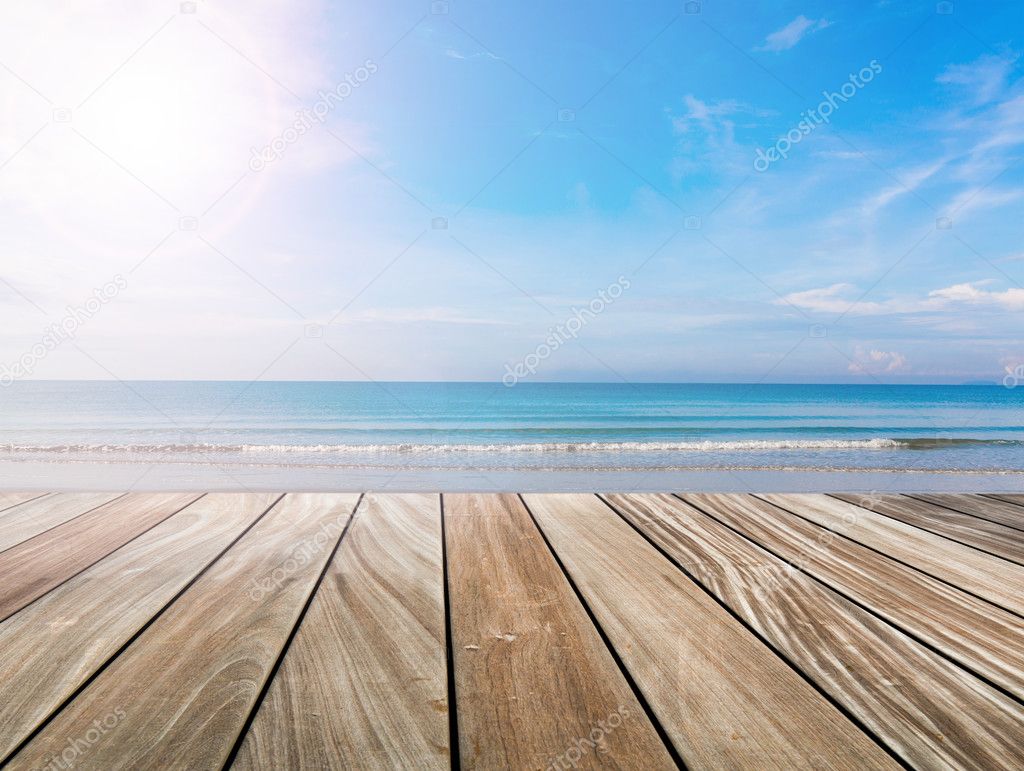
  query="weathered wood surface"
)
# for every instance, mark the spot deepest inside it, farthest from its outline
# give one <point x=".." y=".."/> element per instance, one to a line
<point x="722" y="696"/>
<point x="755" y="637"/>
<point x="926" y="709"/>
<point x="983" y="534"/>
<point x="180" y="694"/>
<point x="1003" y="509"/>
<point x="364" y="683"/>
<point x="536" y="686"/>
<point x="52" y="647"/>
<point x="34" y="567"/>
<point x="36" y="516"/>
<point x="977" y="634"/>
<point x="992" y="578"/>
<point x="11" y="499"/>
<point x="1016" y="499"/>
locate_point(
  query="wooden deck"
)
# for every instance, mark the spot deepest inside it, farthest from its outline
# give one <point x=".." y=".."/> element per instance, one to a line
<point x="269" y="631"/>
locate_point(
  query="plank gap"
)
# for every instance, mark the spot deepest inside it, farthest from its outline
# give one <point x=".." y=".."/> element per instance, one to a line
<point x="288" y="642"/>
<point x="454" y="752"/>
<point x="945" y="502"/>
<point x="644" y="704"/>
<point x="760" y="638"/>
<point x="113" y="657"/>
<point x="946" y="581"/>
<point x="849" y="597"/>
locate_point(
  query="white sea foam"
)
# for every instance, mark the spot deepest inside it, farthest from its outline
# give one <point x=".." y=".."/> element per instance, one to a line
<point x="741" y="445"/>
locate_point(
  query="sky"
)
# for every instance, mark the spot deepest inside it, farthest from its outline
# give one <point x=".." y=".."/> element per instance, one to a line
<point x="531" y="191"/>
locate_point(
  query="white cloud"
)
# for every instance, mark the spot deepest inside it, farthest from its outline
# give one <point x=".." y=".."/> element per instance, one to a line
<point x="1011" y="299"/>
<point x="792" y="33"/>
<point x="842" y="298"/>
<point x="873" y="361"/>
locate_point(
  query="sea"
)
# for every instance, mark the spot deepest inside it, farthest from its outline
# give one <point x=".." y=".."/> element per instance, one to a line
<point x="528" y="437"/>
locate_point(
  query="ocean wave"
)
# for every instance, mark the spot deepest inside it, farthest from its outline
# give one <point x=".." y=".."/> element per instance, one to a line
<point x="560" y="447"/>
<point x="506" y="448"/>
<point x="740" y="445"/>
<point x="390" y="469"/>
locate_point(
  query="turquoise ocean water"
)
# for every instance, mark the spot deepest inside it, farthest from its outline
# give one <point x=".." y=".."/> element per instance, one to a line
<point x="489" y="436"/>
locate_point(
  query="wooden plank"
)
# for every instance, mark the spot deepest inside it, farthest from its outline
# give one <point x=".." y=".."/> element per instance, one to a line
<point x="34" y="567"/>
<point x="929" y="711"/>
<point x="1015" y="498"/>
<point x="180" y="694"/>
<point x="10" y="499"/>
<point x="49" y="649"/>
<point x="536" y="687"/>
<point x="723" y="697"/>
<point x="982" y="534"/>
<point x="1001" y="509"/>
<point x="991" y="578"/>
<point x="37" y="516"/>
<point x="364" y="683"/>
<point x="975" y="633"/>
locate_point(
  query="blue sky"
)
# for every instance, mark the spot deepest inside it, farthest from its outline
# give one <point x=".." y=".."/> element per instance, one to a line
<point x="484" y="171"/>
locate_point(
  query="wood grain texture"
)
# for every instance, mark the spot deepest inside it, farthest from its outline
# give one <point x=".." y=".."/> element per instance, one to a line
<point x="1002" y="509"/>
<point x="53" y="646"/>
<point x="364" y="683"/>
<point x="722" y="696"/>
<point x="1017" y="499"/>
<point x="10" y="499"/>
<point x="982" y="534"/>
<point x="975" y="633"/>
<point x="29" y="519"/>
<point x="991" y="578"/>
<point x="181" y="692"/>
<point x="34" y="567"/>
<point x="536" y="686"/>
<point x="929" y="711"/>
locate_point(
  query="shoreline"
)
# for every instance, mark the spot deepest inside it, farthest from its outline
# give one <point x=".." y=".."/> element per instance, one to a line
<point x="165" y="476"/>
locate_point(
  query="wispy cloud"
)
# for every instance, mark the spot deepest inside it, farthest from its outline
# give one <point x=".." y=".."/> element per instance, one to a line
<point x="787" y="37"/>
<point x="836" y="298"/>
<point x="983" y="79"/>
<point x="982" y="198"/>
<point x="454" y="53"/>
<point x="431" y="315"/>
<point x="707" y="130"/>
<point x="909" y="181"/>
